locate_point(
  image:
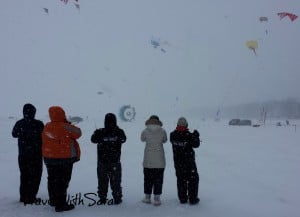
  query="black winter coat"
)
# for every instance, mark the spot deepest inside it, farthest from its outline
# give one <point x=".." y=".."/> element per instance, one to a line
<point x="109" y="144"/>
<point x="29" y="133"/>
<point x="183" y="143"/>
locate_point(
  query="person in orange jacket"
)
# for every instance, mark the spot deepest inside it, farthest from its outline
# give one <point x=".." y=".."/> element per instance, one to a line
<point x="60" y="151"/>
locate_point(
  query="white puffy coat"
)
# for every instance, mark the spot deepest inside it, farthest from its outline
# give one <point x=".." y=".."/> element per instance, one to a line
<point x="154" y="136"/>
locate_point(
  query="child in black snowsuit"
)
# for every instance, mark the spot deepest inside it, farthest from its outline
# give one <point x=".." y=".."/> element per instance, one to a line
<point x="109" y="140"/>
<point x="183" y="143"/>
<point x="29" y="133"/>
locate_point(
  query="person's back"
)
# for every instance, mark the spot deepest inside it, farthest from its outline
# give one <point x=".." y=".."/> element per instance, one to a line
<point x="59" y="139"/>
<point x="154" y="136"/>
<point x="109" y="142"/>
<point x="28" y="130"/>
<point x="183" y="142"/>
<point x="154" y="158"/>
<point x="60" y="151"/>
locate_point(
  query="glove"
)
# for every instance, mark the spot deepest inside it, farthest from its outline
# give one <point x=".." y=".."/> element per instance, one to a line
<point x="196" y="133"/>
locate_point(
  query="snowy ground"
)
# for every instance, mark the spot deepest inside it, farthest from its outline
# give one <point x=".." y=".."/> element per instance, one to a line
<point x="244" y="171"/>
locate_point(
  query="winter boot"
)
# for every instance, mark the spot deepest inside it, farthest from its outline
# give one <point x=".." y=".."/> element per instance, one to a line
<point x="183" y="201"/>
<point x="156" y="201"/>
<point x="117" y="201"/>
<point x="64" y="207"/>
<point x="103" y="201"/>
<point x="32" y="201"/>
<point x="194" y="201"/>
<point x="147" y="198"/>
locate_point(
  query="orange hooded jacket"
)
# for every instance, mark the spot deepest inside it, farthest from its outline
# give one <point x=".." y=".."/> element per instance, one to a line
<point x="59" y="137"/>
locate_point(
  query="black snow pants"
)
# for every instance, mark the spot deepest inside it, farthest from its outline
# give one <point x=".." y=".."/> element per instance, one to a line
<point x="109" y="173"/>
<point x="31" y="169"/>
<point x="153" y="180"/>
<point x="59" y="176"/>
<point x="187" y="181"/>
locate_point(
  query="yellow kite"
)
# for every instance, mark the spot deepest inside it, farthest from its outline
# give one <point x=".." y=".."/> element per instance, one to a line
<point x="252" y="45"/>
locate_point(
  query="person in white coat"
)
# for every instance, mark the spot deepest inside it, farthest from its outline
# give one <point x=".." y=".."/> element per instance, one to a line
<point x="154" y="159"/>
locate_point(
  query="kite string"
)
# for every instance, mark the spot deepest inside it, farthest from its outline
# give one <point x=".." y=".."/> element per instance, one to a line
<point x="229" y="90"/>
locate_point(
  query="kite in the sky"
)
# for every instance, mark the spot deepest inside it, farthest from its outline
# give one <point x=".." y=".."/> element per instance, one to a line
<point x="77" y="6"/>
<point x="263" y="19"/>
<point x="46" y="10"/>
<point x="285" y="14"/>
<point x="127" y="113"/>
<point x="155" y="42"/>
<point x="76" y="3"/>
<point x="66" y="1"/>
<point x="252" y="45"/>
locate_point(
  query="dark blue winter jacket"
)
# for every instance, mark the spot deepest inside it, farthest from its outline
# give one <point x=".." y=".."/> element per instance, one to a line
<point x="109" y="140"/>
<point x="29" y="133"/>
<point x="183" y="144"/>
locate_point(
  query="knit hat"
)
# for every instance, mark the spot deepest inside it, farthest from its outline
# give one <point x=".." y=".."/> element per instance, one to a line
<point x="182" y="122"/>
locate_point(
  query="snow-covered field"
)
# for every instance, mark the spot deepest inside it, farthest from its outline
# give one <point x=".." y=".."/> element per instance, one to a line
<point x="244" y="171"/>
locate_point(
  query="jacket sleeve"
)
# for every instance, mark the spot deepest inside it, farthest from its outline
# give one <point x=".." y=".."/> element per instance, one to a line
<point x="41" y="127"/>
<point x="19" y="130"/>
<point x="171" y="137"/>
<point x="165" y="138"/>
<point x="122" y="137"/>
<point x="72" y="131"/>
<point x="195" y="140"/>
<point x="16" y="131"/>
<point x="96" y="137"/>
<point x="143" y="136"/>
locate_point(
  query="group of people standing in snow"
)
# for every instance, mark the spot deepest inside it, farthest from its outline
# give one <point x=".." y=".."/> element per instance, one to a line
<point x="56" y="144"/>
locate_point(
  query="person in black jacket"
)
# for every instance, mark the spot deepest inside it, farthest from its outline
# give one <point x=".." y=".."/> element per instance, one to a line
<point x="183" y="142"/>
<point x="109" y="140"/>
<point x="28" y="130"/>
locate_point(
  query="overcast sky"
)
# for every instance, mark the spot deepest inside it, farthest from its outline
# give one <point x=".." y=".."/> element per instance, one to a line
<point x="67" y="56"/>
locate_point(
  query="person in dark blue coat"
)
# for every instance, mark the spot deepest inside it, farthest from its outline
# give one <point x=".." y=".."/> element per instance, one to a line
<point x="109" y="140"/>
<point x="28" y="130"/>
<point x="183" y="143"/>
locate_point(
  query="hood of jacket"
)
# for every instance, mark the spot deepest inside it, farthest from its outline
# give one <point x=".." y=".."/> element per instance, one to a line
<point x="153" y="122"/>
<point x="57" y="114"/>
<point x="29" y="111"/>
<point x="110" y="121"/>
